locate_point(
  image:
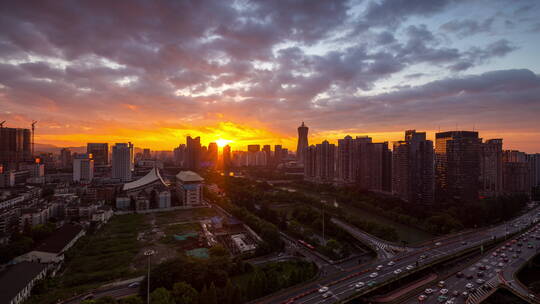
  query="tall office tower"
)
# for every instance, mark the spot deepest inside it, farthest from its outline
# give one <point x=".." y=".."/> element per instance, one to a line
<point x="226" y="157"/>
<point x="193" y="153"/>
<point x="413" y="174"/>
<point x="268" y="151"/>
<point x="15" y="147"/>
<point x="491" y="168"/>
<point x="146" y="154"/>
<point x="213" y="154"/>
<point x="122" y="161"/>
<point x="302" y="142"/>
<point x="516" y="173"/>
<point x="457" y="166"/>
<point x="534" y="162"/>
<point x="346" y="165"/>
<point x="100" y="152"/>
<point x="65" y="159"/>
<point x="278" y="154"/>
<point x="180" y="155"/>
<point x="83" y="168"/>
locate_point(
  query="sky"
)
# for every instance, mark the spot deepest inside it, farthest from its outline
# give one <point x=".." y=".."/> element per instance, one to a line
<point x="152" y="72"/>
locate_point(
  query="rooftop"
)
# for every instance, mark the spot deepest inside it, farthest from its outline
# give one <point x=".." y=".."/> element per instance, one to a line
<point x="60" y="239"/>
<point x="148" y="179"/>
<point x="16" y="277"/>
<point x="189" y="176"/>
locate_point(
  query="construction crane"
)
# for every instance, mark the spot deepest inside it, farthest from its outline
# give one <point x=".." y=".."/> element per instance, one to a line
<point x="34" y="122"/>
<point x="2" y="124"/>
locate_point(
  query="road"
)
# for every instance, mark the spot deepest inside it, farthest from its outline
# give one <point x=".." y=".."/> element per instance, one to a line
<point x="341" y="285"/>
<point x="477" y="281"/>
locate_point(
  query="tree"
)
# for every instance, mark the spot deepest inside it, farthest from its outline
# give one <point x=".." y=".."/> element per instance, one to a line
<point x="161" y="296"/>
<point x="106" y="300"/>
<point x="183" y="293"/>
<point x="212" y="294"/>
<point x="131" y="300"/>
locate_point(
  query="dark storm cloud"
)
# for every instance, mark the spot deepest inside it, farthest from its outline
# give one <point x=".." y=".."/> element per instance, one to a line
<point x="241" y="58"/>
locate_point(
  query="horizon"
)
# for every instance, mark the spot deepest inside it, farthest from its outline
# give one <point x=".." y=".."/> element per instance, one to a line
<point x="250" y="72"/>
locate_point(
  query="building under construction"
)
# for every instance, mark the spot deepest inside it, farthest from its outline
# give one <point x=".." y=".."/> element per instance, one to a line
<point x="15" y="147"/>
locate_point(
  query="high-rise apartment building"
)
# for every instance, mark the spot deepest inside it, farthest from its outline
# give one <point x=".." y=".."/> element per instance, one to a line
<point x="100" y="152"/>
<point x="122" y="161"/>
<point x="226" y="157"/>
<point x="302" y="142"/>
<point x="373" y="165"/>
<point x="534" y="162"/>
<point x="346" y="160"/>
<point x="15" y="147"/>
<point x="278" y="154"/>
<point x="413" y="174"/>
<point x="457" y="164"/>
<point x="66" y="160"/>
<point x="491" y="168"/>
<point x="213" y="154"/>
<point x="268" y="151"/>
<point x="516" y="173"/>
<point x="83" y="168"/>
<point x="319" y="163"/>
<point x="180" y="155"/>
<point x="193" y="153"/>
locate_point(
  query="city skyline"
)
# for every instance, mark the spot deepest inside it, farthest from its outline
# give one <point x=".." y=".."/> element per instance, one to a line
<point x="348" y="67"/>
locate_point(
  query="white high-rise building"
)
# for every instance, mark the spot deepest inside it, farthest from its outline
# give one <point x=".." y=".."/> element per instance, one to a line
<point x="83" y="168"/>
<point x="122" y="161"/>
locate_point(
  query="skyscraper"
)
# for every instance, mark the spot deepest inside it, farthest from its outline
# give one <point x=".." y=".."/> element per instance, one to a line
<point x="412" y="168"/>
<point x="516" y="173"/>
<point x="100" y="153"/>
<point x="15" y="147"/>
<point x="213" y="154"/>
<point x="268" y="151"/>
<point x="226" y="157"/>
<point x="122" y="161"/>
<point x="65" y="158"/>
<point x="278" y="154"/>
<point x="180" y="155"/>
<point x="346" y="166"/>
<point x="302" y="142"/>
<point x="457" y="163"/>
<point x="193" y="153"/>
<point x="491" y="168"/>
<point x="83" y="168"/>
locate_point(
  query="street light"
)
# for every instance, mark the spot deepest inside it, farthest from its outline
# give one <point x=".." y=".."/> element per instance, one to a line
<point x="148" y="253"/>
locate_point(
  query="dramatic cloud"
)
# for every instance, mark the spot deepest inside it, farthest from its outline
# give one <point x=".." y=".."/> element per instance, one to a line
<point x="250" y="71"/>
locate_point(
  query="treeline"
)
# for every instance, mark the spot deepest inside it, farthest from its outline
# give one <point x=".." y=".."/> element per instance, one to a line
<point x="441" y="218"/>
<point x="21" y="243"/>
<point x="221" y="279"/>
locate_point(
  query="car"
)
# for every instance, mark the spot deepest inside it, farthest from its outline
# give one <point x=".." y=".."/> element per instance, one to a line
<point x="503" y="255"/>
<point x="519" y="244"/>
<point x="515" y="256"/>
<point x="500" y="265"/>
<point x="482" y="267"/>
<point x="444" y="291"/>
<point x="327" y="294"/>
<point x="359" y="285"/>
<point x="134" y="284"/>
<point x="379" y="267"/>
<point x="465" y="294"/>
<point x="429" y="291"/>
<point x="459" y="274"/>
<point x="518" y="250"/>
<point x="469" y="285"/>
<point x="423" y="256"/>
<point x="440" y="284"/>
<point x="438" y="244"/>
<point x="480" y="281"/>
<point x="510" y="249"/>
<point x="505" y="260"/>
<point x="323" y="289"/>
<point x="422" y="297"/>
<point x="470" y="276"/>
<point x="397" y="271"/>
<point x="464" y="243"/>
<point x="373" y="275"/>
<point x="455" y="293"/>
<point x="442" y="298"/>
<point x="371" y="283"/>
<point x="530" y="246"/>
<point x="391" y="263"/>
<point x="409" y="267"/>
<point x="480" y="274"/>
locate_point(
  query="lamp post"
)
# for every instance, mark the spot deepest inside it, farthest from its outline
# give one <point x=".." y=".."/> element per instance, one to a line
<point x="148" y="253"/>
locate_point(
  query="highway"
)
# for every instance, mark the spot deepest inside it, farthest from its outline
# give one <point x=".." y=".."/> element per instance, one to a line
<point x="341" y="285"/>
<point x="477" y="281"/>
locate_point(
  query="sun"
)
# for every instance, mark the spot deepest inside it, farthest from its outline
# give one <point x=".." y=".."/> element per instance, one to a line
<point x="223" y="142"/>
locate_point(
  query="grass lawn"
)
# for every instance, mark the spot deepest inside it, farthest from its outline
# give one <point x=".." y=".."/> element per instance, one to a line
<point x="97" y="259"/>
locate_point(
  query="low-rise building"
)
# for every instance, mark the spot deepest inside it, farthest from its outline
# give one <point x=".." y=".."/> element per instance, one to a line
<point x="16" y="281"/>
<point x="189" y="188"/>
